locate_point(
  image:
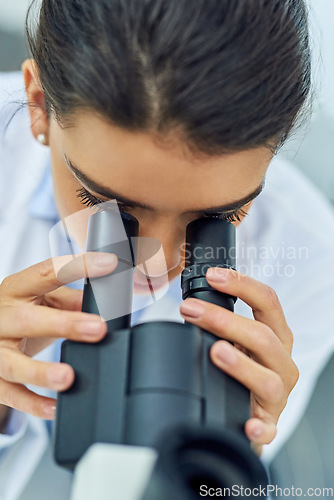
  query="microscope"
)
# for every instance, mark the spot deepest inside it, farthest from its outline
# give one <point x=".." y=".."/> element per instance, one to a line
<point x="153" y="385"/>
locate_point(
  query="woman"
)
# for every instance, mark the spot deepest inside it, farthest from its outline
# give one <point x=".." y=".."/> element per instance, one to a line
<point x="175" y="109"/>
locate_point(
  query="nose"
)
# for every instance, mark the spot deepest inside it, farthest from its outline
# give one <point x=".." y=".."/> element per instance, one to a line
<point x="160" y="248"/>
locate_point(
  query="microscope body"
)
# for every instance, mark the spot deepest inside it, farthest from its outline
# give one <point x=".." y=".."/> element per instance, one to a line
<point x="139" y="382"/>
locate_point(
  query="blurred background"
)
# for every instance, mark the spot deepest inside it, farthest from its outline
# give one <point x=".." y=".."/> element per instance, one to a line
<point x="12" y="46"/>
<point x="310" y="149"/>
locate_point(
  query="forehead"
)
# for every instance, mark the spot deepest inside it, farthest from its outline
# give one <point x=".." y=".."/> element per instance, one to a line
<point x="160" y="171"/>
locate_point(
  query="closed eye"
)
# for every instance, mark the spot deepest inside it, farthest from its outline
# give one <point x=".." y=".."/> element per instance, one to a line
<point x="90" y="200"/>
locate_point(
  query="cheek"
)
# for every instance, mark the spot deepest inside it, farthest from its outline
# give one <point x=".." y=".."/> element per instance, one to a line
<point x="65" y="187"/>
<point x="69" y="206"/>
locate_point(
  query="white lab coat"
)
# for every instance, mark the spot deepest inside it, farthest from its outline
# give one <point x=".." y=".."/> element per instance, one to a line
<point x="290" y="225"/>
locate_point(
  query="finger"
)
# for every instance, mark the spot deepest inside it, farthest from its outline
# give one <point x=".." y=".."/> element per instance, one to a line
<point x="260" y="297"/>
<point x="18" y="368"/>
<point x="255" y="337"/>
<point x="22" y="399"/>
<point x="53" y="273"/>
<point x="260" y="431"/>
<point x="267" y="386"/>
<point x="30" y="321"/>
<point x="65" y="298"/>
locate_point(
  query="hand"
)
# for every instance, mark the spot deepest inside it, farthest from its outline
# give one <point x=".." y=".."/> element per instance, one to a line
<point x="35" y="310"/>
<point x="261" y="355"/>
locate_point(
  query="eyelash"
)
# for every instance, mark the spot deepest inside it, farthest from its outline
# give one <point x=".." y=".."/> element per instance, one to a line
<point x="235" y="216"/>
<point x="90" y="200"/>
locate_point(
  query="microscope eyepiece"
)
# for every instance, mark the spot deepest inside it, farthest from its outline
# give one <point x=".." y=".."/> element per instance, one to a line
<point x="210" y="242"/>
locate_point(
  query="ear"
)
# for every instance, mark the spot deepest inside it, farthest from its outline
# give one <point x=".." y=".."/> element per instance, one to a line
<point x="38" y="118"/>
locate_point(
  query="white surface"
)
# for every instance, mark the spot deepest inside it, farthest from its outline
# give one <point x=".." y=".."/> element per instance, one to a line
<point x="112" y="471"/>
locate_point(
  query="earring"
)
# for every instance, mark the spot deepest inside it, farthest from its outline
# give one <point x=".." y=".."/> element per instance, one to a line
<point x="41" y="139"/>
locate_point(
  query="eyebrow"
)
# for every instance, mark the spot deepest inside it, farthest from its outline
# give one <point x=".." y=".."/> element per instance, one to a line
<point x="108" y="193"/>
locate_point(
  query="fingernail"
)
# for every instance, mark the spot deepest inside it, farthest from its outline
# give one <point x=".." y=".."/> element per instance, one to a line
<point x="50" y="412"/>
<point x="226" y="354"/>
<point x="58" y="375"/>
<point x="218" y="274"/>
<point x="93" y="328"/>
<point x="104" y="259"/>
<point x="257" y="431"/>
<point x="192" y="308"/>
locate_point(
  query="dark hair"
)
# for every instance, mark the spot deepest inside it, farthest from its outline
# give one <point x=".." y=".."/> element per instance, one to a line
<point x="225" y="74"/>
